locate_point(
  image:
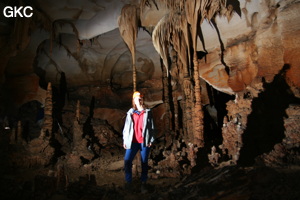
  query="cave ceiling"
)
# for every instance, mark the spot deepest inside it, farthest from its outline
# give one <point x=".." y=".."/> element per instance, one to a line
<point x="250" y="40"/>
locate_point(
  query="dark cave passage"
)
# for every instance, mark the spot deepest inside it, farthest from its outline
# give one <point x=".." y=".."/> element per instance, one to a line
<point x="265" y="125"/>
<point x="213" y="116"/>
<point x="31" y="115"/>
<point x="213" y="121"/>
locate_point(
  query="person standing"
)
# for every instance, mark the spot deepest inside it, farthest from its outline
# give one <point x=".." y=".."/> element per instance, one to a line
<point x="138" y="135"/>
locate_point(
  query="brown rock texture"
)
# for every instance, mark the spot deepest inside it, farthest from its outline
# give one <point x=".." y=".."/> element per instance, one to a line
<point x="37" y="152"/>
<point x="234" y="126"/>
<point x="285" y="154"/>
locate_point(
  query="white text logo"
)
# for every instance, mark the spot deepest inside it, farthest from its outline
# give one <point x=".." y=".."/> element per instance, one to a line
<point x="18" y="11"/>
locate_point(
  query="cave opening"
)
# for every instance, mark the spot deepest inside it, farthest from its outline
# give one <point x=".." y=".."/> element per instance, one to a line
<point x="265" y="126"/>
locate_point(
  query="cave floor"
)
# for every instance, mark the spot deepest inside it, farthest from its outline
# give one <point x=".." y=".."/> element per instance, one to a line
<point x="208" y="184"/>
<point x="227" y="183"/>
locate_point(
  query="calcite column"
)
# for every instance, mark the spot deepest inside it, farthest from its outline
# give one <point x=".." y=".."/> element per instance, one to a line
<point x="48" y="120"/>
<point x="198" y="112"/>
<point x="188" y="105"/>
<point x="192" y="17"/>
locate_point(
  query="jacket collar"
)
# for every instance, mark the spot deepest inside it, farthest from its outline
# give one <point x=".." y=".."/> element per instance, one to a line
<point x="130" y="111"/>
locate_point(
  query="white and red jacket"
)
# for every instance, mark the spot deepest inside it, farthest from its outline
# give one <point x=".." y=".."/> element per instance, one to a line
<point x="148" y="128"/>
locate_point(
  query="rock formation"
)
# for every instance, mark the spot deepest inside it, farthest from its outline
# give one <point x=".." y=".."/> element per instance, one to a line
<point x="222" y="78"/>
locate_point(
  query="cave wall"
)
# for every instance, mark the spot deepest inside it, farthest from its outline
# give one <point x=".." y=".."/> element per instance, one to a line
<point x="79" y="49"/>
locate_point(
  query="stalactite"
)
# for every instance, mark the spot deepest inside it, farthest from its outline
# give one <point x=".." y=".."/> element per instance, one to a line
<point x="172" y="24"/>
<point x="160" y="39"/>
<point x="48" y="120"/>
<point x="128" y="26"/>
<point x="175" y="29"/>
<point x="192" y="10"/>
<point x="175" y="4"/>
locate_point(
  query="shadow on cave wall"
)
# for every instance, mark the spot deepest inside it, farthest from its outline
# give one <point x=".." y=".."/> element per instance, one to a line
<point x="265" y="125"/>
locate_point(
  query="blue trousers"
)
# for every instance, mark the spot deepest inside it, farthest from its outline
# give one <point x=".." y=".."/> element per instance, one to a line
<point x="128" y="158"/>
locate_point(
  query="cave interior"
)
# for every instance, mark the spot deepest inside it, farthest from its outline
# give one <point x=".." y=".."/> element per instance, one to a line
<point x="220" y="77"/>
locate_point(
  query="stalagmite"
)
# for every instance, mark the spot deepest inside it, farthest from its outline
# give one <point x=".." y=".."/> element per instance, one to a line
<point x="128" y="26"/>
<point x="213" y="157"/>
<point x="77" y="129"/>
<point x="192" y="154"/>
<point x="48" y="120"/>
<point x="233" y="129"/>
